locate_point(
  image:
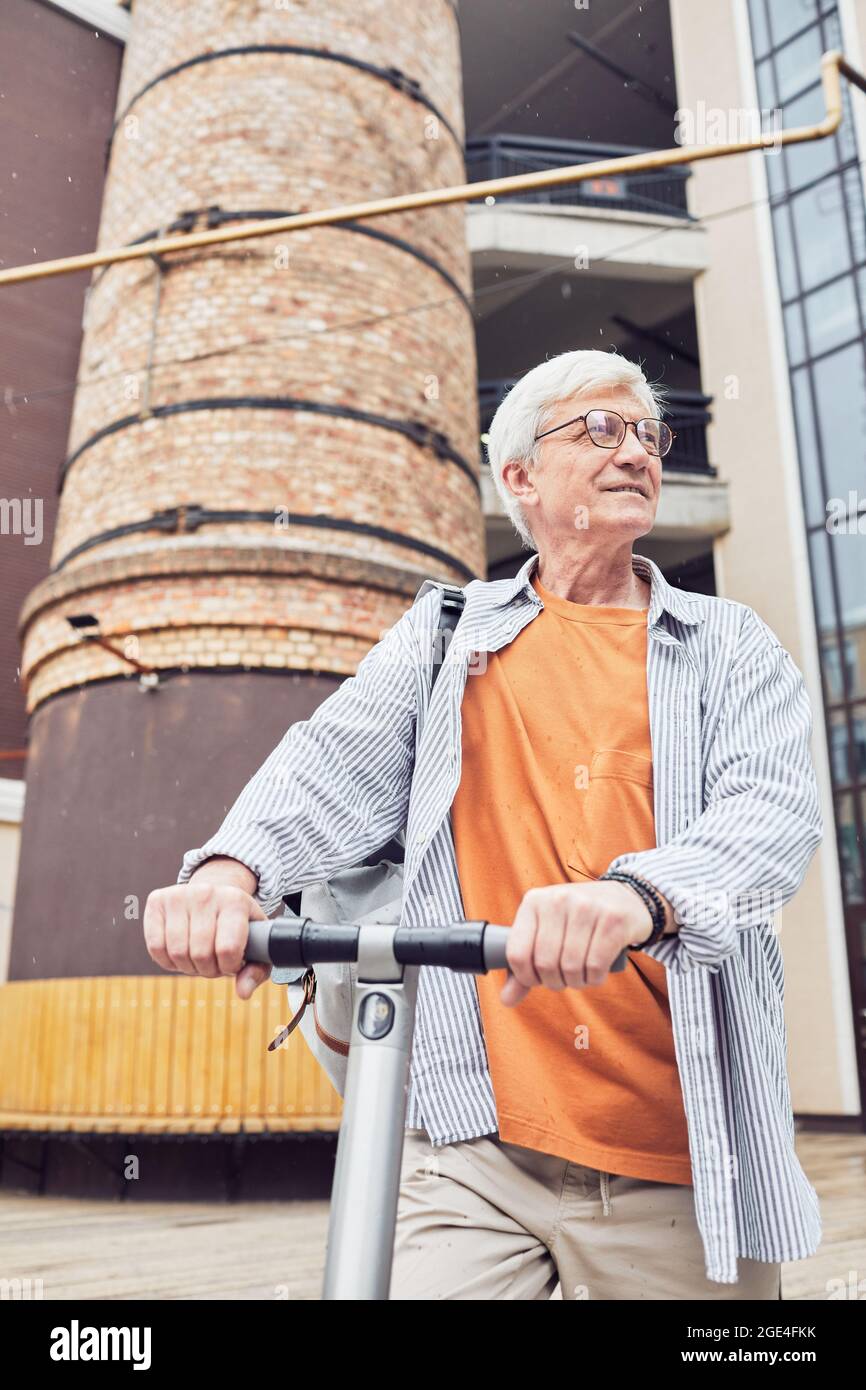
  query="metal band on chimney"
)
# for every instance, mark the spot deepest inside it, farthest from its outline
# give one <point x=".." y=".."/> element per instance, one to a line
<point x="194" y="516"/>
<point x="398" y="80"/>
<point x="416" y="430"/>
<point x="217" y="217"/>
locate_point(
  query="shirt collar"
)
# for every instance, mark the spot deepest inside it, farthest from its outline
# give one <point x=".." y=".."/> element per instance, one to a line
<point x="678" y="602"/>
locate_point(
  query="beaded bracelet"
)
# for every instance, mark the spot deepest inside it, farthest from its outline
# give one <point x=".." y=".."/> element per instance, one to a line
<point x="652" y="900"/>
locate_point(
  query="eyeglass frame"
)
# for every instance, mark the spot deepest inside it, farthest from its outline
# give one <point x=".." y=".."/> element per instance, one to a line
<point x="655" y="418"/>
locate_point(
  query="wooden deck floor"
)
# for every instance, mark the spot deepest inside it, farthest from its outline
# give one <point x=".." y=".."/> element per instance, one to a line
<point x="275" y="1250"/>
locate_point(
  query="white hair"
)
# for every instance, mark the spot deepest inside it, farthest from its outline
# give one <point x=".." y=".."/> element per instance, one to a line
<point x="530" y="405"/>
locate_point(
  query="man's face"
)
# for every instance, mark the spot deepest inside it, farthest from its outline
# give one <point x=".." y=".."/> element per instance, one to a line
<point x="572" y="487"/>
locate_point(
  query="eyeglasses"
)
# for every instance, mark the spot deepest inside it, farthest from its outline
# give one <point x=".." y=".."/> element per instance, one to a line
<point x="607" y="429"/>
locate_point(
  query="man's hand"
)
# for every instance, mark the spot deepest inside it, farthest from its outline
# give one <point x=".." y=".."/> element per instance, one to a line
<point x="201" y="927"/>
<point x="568" y="935"/>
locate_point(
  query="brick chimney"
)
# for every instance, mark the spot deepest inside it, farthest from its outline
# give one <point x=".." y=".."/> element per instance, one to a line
<point x="274" y="442"/>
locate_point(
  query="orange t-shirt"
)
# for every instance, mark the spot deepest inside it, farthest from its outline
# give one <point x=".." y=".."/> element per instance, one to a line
<point x="556" y="781"/>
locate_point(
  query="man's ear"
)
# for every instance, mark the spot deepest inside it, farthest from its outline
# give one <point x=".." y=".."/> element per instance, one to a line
<point x="516" y="477"/>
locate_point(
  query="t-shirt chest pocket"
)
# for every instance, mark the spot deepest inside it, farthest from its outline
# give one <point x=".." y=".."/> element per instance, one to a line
<point x="614" y="812"/>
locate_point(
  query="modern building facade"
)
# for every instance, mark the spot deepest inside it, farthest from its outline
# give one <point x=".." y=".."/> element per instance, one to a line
<point x="782" y="346"/>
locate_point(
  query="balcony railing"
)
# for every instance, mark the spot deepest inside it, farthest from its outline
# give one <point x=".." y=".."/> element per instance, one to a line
<point x="499" y="156"/>
<point x="687" y="413"/>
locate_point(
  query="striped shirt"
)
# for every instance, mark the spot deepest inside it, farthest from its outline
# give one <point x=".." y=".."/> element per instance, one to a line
<point x="737" y="821"/>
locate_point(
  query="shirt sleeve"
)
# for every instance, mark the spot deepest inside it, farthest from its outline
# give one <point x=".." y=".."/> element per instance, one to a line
<point x="336" y="787"/>
<point x="746" y="855"/>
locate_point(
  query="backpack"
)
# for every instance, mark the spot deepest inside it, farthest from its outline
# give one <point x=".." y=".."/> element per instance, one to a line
<point x="323" y="998"/>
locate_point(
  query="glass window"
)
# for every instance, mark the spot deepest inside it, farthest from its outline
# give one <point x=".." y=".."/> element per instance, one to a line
<point x="825" y="614"/>
<point x="810" y="159"/>
<point x="820" y="232"/>
<point x="840" y="403"/>
<point x="839" y="764"/>
<point x="849" y="556"/>
<point x="766" y="85"/>
<point x="760" y="31"/>
<point x="798" y="63"/>
<point x="807" y="448"/>
<point x="794" y="332"/>
<point x="787" y="16"/>
<point x="833" y="658"/>
<point x="856" y="212"/>
<point x="830" y="27"/>
<point x="784" y="243"/>
<point x="832" y="315"/>
<point x="850" y="848"/>
<point x="859" y="760"/>
<point x="845" y="133"/>
<point x="777" y="178"/>
<point x="831" y="662"/>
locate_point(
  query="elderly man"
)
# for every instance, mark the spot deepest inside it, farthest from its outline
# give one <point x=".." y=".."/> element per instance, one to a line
<point x="627" y="768"/>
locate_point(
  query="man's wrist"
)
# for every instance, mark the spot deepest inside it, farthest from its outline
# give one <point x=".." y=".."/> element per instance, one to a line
<point x="670" y="920"/>
<point x="220" y="868"/>
<point x="660" y="914"/>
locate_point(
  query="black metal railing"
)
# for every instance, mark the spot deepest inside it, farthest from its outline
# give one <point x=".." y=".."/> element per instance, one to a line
<point x="652" y="191"/>
<point x="687" y="413"/>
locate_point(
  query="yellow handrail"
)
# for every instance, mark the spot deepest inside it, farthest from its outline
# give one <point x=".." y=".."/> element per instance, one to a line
<point x="832" y="66"/>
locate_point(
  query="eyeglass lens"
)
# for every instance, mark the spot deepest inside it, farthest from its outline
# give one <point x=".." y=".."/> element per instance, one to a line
<point x="607" y="429"/>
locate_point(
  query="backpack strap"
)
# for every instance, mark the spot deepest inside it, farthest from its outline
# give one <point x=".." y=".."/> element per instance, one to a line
<point x="309" y="984"/>
<point x="453" y="601"/>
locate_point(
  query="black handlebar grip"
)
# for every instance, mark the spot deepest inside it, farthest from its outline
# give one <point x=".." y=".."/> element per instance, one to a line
<point x="258" y="943"/>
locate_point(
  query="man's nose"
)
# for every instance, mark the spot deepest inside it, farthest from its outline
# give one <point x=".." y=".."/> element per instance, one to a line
<point x="631" y="450"/>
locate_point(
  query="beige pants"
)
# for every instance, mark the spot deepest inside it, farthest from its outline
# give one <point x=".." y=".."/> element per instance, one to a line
<point x="484" y="1219"/>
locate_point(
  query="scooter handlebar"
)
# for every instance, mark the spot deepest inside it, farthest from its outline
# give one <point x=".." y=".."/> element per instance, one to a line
<point x="472" y="947"/>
